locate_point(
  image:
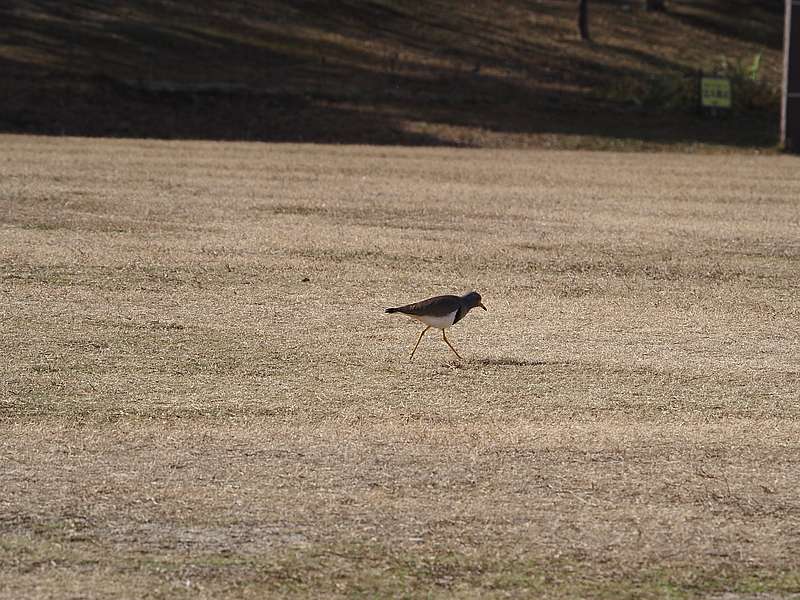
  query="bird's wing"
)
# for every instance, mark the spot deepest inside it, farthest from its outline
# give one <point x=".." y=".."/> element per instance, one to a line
<point x="438" y="306"/>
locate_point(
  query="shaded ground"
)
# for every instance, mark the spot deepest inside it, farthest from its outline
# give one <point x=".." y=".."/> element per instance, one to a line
<point x="201" y="395"/>
<point x="507" y="74"/>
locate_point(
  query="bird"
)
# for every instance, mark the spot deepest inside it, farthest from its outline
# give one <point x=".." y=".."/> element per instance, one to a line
<point x="440" y="312"/>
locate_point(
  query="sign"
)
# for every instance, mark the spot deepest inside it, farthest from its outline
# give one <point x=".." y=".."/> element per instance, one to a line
<point x="715" y="92"/>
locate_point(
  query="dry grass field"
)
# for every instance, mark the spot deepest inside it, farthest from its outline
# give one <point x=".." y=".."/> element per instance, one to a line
<point x="202" y="398"/>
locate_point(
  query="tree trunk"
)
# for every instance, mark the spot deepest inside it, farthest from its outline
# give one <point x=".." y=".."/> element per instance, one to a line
<point x="583" y="19"/>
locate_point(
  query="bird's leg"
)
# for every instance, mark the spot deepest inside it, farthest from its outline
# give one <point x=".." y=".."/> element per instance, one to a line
<point x="451" y="347"/>
<point x="418" y="341"/>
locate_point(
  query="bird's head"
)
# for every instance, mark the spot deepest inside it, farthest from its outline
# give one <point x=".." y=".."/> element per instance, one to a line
<point x="473" y="299"/>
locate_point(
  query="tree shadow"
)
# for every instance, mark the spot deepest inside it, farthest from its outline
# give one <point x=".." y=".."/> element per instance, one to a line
<point x="753" y="22"/>
<point x="281" y="73"/>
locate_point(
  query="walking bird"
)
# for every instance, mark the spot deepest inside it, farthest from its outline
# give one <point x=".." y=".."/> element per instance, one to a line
<point x="440" y="312"/>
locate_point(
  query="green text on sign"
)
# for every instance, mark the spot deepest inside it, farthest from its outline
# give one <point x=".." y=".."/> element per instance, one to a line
<point x="715" y="92"/>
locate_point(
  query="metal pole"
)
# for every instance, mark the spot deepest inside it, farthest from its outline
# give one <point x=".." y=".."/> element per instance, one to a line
<point x="790" y="104"/>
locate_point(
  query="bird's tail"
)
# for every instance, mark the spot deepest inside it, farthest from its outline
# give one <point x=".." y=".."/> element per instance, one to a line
<point x="391" y="310"/>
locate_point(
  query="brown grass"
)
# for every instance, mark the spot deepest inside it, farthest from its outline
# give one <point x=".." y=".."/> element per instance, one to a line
<point x="183" y="416"/>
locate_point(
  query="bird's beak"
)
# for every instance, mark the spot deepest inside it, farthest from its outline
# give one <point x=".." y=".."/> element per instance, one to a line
<point x="481" y="305"/>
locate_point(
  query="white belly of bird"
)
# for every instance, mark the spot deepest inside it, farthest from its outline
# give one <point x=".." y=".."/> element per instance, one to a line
<point x="439" y="322"/>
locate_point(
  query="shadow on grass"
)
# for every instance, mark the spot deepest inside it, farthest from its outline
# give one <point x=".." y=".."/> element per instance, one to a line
<point x="169" y="73"/>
